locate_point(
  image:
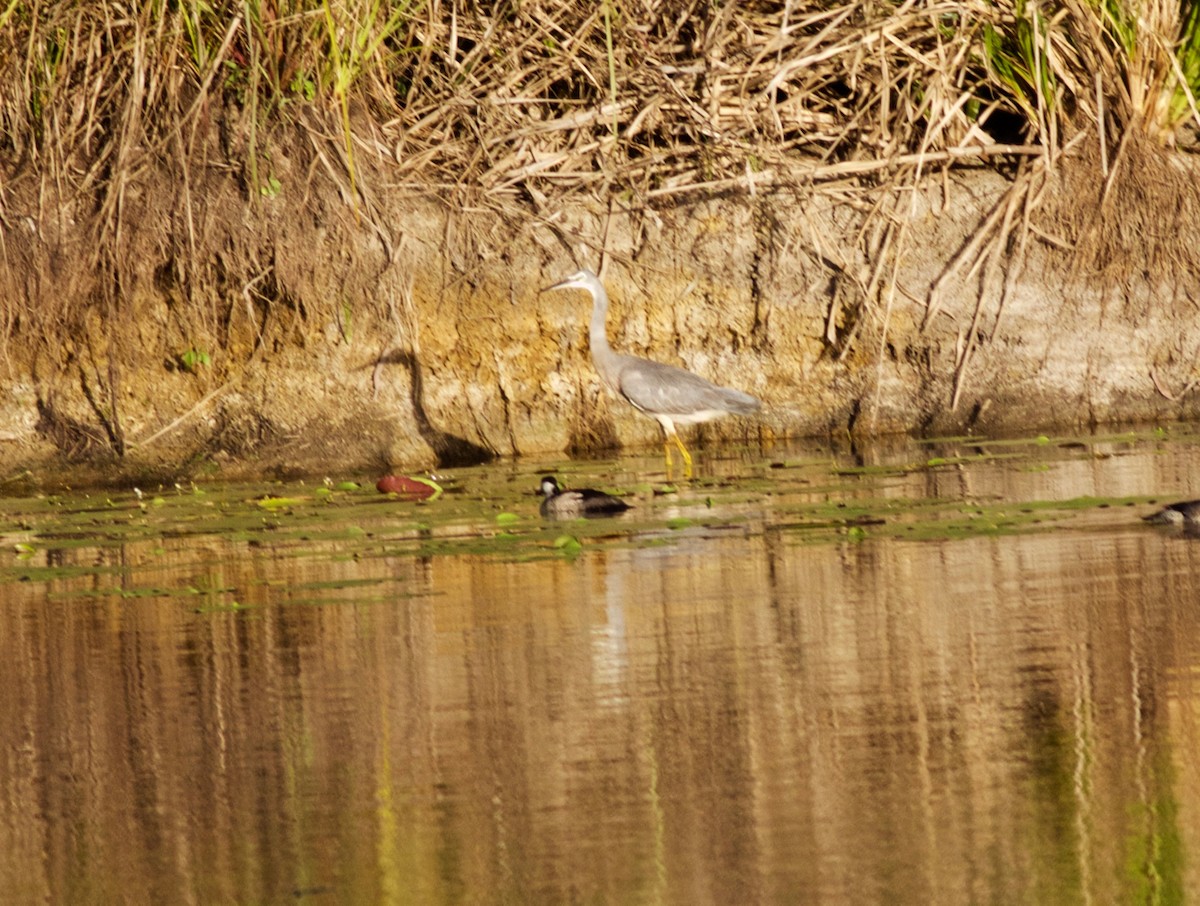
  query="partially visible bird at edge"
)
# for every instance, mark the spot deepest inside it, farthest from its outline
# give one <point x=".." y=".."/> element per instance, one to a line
<point x="560" y="503"/>
<point x="669" y="394"/>
<point x="1186" y="513"/>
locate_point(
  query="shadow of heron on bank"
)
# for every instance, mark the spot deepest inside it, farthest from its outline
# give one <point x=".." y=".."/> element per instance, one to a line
<point x="449" y="449"/>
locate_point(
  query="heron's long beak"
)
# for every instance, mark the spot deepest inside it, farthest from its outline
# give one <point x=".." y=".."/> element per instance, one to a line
<point x="561" y="284"/>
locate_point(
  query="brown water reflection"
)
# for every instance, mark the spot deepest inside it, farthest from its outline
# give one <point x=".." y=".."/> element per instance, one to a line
<point x="738" y="716"/>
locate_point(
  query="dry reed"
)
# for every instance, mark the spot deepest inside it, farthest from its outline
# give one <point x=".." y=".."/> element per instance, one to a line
<point x="553" y="97"/>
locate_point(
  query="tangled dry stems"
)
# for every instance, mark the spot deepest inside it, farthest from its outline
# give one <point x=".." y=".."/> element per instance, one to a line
<point x="646" y="99"/>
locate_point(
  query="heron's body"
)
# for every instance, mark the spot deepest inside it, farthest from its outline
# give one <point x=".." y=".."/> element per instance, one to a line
<point x="559" y="503"/>
<point x="669" y="394"/>
<point x="1185" y="513"/>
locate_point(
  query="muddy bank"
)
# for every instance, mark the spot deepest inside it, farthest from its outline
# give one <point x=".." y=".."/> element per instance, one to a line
<point x="304" y="334"/>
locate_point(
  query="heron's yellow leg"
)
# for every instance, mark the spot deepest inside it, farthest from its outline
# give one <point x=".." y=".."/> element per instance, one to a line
<point x="687" y="457"/>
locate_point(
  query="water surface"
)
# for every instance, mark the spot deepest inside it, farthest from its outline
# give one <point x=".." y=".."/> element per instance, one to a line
<point x="949" y="672"/>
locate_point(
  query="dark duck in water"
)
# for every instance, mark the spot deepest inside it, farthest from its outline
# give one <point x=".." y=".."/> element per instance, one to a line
<point x="559" y="503"/>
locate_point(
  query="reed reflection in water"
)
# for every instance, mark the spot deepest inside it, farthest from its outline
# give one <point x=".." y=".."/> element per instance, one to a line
<point x="736" y="717"/>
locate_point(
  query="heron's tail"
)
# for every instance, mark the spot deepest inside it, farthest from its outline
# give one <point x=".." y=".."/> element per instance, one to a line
<point x="740" y="403"/>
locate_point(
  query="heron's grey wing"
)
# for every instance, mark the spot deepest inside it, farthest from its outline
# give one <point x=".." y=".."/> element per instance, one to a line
<point x="662" y="389"/>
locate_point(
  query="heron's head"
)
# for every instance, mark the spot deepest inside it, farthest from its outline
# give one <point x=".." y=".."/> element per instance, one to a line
<point x="583" y="279"/>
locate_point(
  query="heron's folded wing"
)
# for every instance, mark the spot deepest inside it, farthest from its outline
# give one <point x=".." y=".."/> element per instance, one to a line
<point x="666" y="390"/>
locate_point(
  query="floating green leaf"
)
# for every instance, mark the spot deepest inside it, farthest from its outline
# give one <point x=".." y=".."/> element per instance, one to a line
<point x="273" y="504"/>
<point x="568" y="544"/>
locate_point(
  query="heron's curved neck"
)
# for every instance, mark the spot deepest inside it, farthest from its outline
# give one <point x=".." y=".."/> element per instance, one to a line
<point x="598" y="335"/>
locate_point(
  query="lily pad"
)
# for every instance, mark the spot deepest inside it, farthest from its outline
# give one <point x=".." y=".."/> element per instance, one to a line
<point x="408" y="487"/>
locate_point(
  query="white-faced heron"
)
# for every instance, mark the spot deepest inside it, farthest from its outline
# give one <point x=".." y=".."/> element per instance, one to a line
<point x="670" y="394"/>
<point x="560" y="503"/>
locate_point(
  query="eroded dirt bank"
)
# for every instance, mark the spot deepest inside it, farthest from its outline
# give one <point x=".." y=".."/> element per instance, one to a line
<point x="302" y="333"/>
